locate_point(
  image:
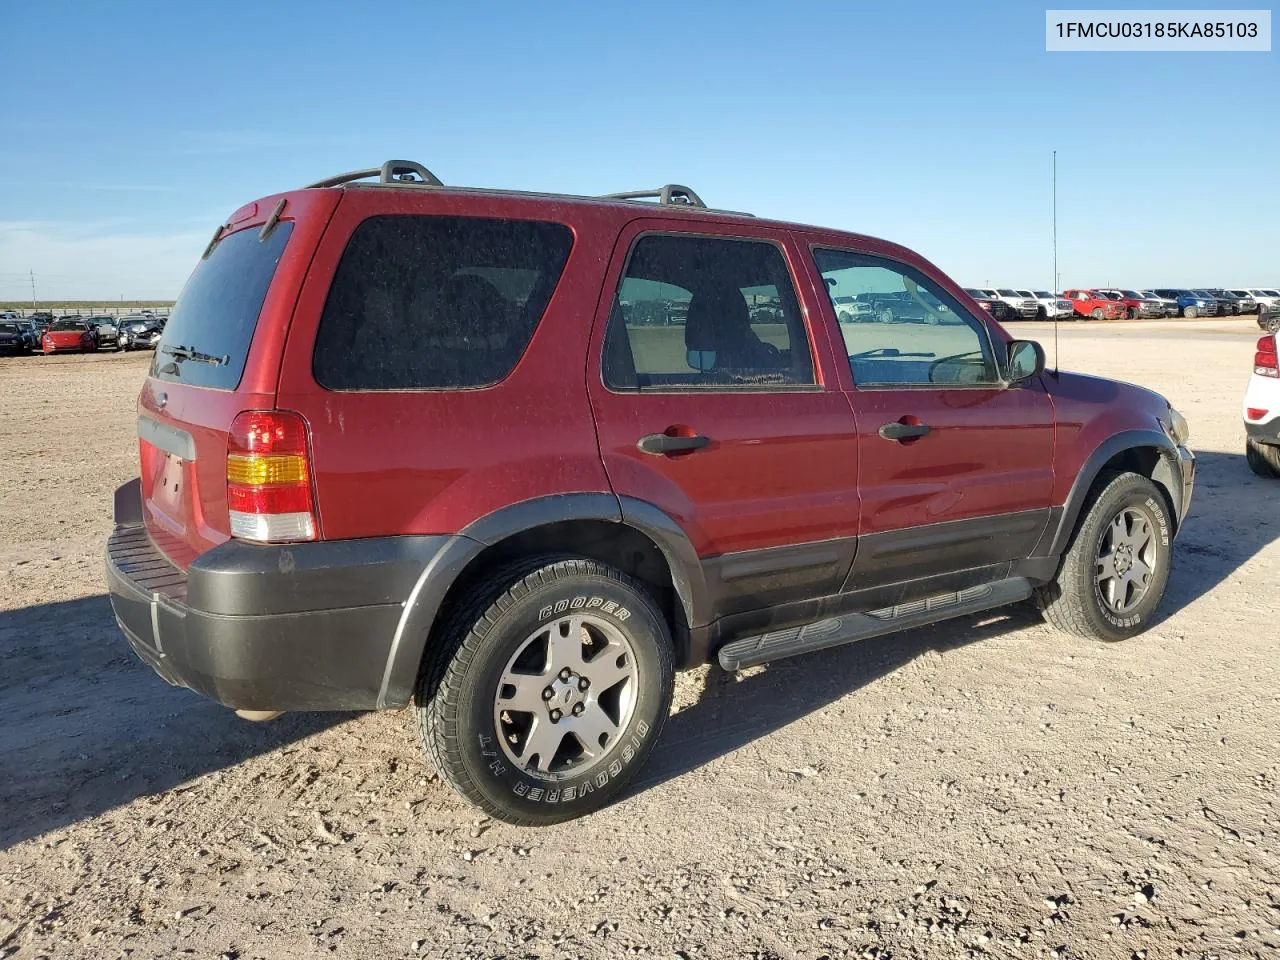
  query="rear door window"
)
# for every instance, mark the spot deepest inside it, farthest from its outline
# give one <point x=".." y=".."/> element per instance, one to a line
<point x="217" y="312"/>
<point x="436" y="302"/>
<point x="698" y="313"/>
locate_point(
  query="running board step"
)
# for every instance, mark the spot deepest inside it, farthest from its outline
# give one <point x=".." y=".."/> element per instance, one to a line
<point x="851" y="627"/>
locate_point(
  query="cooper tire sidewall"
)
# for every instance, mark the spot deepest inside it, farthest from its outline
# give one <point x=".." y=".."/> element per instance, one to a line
<point x="487" y="764"/>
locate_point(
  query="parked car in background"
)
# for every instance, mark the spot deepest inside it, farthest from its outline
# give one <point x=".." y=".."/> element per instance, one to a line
<point x="524" y="528"/>
<point x="139" y="333"/>
<point x="1246" y="300"/>
<point x="1266" y="297"/>
<point x="31" y="332"/>
<point x="850" y="309"/>
<point x="1094" y="305"/>
<point x="9" y="315"/>
<point x="1227" y="306"/>
<point x="1135" y="304"/>
<point x="1022" y="303"/>
<point x="993" y="305"/>
<point x="108" y="333"/>
<point x="13" y="338"/>
<point x="1052" y="306"/>
<point x="1190" y="304"/>
<point x="66" y="334"/>
<point x="1168" y="305"/>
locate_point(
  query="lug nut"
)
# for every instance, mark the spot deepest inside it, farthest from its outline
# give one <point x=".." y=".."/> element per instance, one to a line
<point x="577" y="709"/>
<point x="583" y="683"/>
<point x="566" y="673"/>
<point x="555" y="716"/>
<point x="548" y="693"/>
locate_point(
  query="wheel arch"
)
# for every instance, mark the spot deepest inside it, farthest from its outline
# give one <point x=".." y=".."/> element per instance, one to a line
<point x="631" y="535"/>
<point x="1148" y="453"/>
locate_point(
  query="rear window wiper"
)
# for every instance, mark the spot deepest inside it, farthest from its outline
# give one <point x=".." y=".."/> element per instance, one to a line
<point x="190" y="353"/>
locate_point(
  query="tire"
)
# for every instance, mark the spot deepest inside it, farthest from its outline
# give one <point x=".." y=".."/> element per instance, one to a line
<point x="1130" y="313"/>
<point x="1096" y="313"/>
<point x="1042" y="314"/>
<point x="1273" y="324"/>
<point x="1191" y="312"/>
<point x="1074" y="601"/>
<point x="1263" y="459"/>
<point x="486" y="752"/>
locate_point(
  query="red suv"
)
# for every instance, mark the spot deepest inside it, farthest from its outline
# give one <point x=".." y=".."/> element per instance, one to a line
<point x="518" y="457"/>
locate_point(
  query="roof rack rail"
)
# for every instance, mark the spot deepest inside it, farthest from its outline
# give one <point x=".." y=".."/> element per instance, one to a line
<point x="671" y="193"/>
<point x="393" y="171"/>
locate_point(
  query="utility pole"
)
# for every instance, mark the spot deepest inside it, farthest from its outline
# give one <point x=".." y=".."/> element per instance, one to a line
<point x="33" y="288"/>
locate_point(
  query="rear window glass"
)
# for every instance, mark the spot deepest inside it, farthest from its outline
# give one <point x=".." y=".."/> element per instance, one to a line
<point x="436" y="303"/>
<point x="217" y="311"/>
<point x="9" y="328"/>
<point x="68" y="325"/>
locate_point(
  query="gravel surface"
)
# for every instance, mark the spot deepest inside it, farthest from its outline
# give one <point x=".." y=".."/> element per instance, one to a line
<point x="982" y="788"/>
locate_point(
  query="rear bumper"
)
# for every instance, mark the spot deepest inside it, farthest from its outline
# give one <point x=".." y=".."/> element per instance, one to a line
<point x="1266" y="432"/>
<point x="291" y="627"/>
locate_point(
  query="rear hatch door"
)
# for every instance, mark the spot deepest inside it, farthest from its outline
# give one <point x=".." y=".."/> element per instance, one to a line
<point x="220" y="355"/>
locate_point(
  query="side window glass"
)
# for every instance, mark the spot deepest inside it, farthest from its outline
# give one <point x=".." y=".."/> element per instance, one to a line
<point x="910" y="331"/>
<point x="705" y="313"/>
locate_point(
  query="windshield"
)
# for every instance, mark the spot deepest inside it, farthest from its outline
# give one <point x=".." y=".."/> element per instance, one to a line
<point x="218" y="309"/>
<point x="9" y="328"/>
<point x="1008" y="293"/>
<point x="1271" y="293"/>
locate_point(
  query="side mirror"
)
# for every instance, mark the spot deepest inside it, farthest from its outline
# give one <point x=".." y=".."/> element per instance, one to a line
<point x="1026" y="360"/>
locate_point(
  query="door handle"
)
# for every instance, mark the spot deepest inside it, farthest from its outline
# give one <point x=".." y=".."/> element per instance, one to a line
<point x="897" y="430"/>
<point x="663" y="443"/>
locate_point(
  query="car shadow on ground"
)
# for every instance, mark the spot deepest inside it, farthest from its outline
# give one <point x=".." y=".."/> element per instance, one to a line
<point x="1232" y="519"/>
<point x="85" y="726"/>
<point x="732" y="710"/>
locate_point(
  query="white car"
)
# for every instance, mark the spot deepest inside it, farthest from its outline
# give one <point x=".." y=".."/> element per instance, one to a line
<point x="851" y="309"/>
<point x="1266" y="296"/>
<point x="1054" y="306"/>
<point x="1024" y="305"/>
<point x="1262" y="410"/>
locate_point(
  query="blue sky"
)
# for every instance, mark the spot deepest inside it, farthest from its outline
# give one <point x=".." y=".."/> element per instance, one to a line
<point x="128" y="130"/>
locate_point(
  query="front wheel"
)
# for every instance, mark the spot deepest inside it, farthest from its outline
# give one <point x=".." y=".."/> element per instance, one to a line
<point x="1097" y="313"/>
<point x="1191" y="313"/>
<point x="1114" y="573"/>
<point x="544" y="694"/>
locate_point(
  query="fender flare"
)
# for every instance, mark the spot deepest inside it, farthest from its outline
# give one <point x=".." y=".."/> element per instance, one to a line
<point x="442" y="571"/>
<point x="1167" y="475"/>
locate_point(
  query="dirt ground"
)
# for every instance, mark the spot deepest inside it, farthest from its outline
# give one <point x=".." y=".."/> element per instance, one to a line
<point x="982" y="788"/>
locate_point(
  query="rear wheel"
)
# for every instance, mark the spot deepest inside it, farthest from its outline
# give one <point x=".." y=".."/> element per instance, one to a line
<point x="1263" y="459"/>
<point x="1115" y="570"/>
<point x="547" y="690"/>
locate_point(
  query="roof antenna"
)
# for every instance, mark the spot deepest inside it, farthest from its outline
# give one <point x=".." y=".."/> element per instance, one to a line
<point x="1054" y="288"/>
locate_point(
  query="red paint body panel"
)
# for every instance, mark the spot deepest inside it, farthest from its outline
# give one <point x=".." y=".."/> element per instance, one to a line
<point x="433" y="461"/>
<point x="190" y="520"/>
<point x="782" y="467"/>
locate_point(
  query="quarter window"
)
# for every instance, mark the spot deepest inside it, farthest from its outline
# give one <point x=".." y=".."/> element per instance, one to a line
<point x="436" y="303"/>
<point x="911" y="332"/>
<point x="705" y="313"/>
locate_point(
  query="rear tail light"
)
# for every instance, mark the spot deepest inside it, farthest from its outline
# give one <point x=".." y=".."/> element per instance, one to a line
<point x="1264" y="360"/>
<point x="269" y="492"/>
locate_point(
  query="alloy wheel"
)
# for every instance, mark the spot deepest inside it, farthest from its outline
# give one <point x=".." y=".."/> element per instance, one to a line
<point x="565" y="696"/>
<point x="1126" y="560"/>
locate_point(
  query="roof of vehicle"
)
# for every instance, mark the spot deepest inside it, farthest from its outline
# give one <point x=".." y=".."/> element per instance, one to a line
<point x="670" y="199"/>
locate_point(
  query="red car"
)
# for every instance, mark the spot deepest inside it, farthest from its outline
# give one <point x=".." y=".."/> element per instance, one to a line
<point x="403" y="443"/>
<point x="64" y="335"/>
<point x="1094" y="305"/>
